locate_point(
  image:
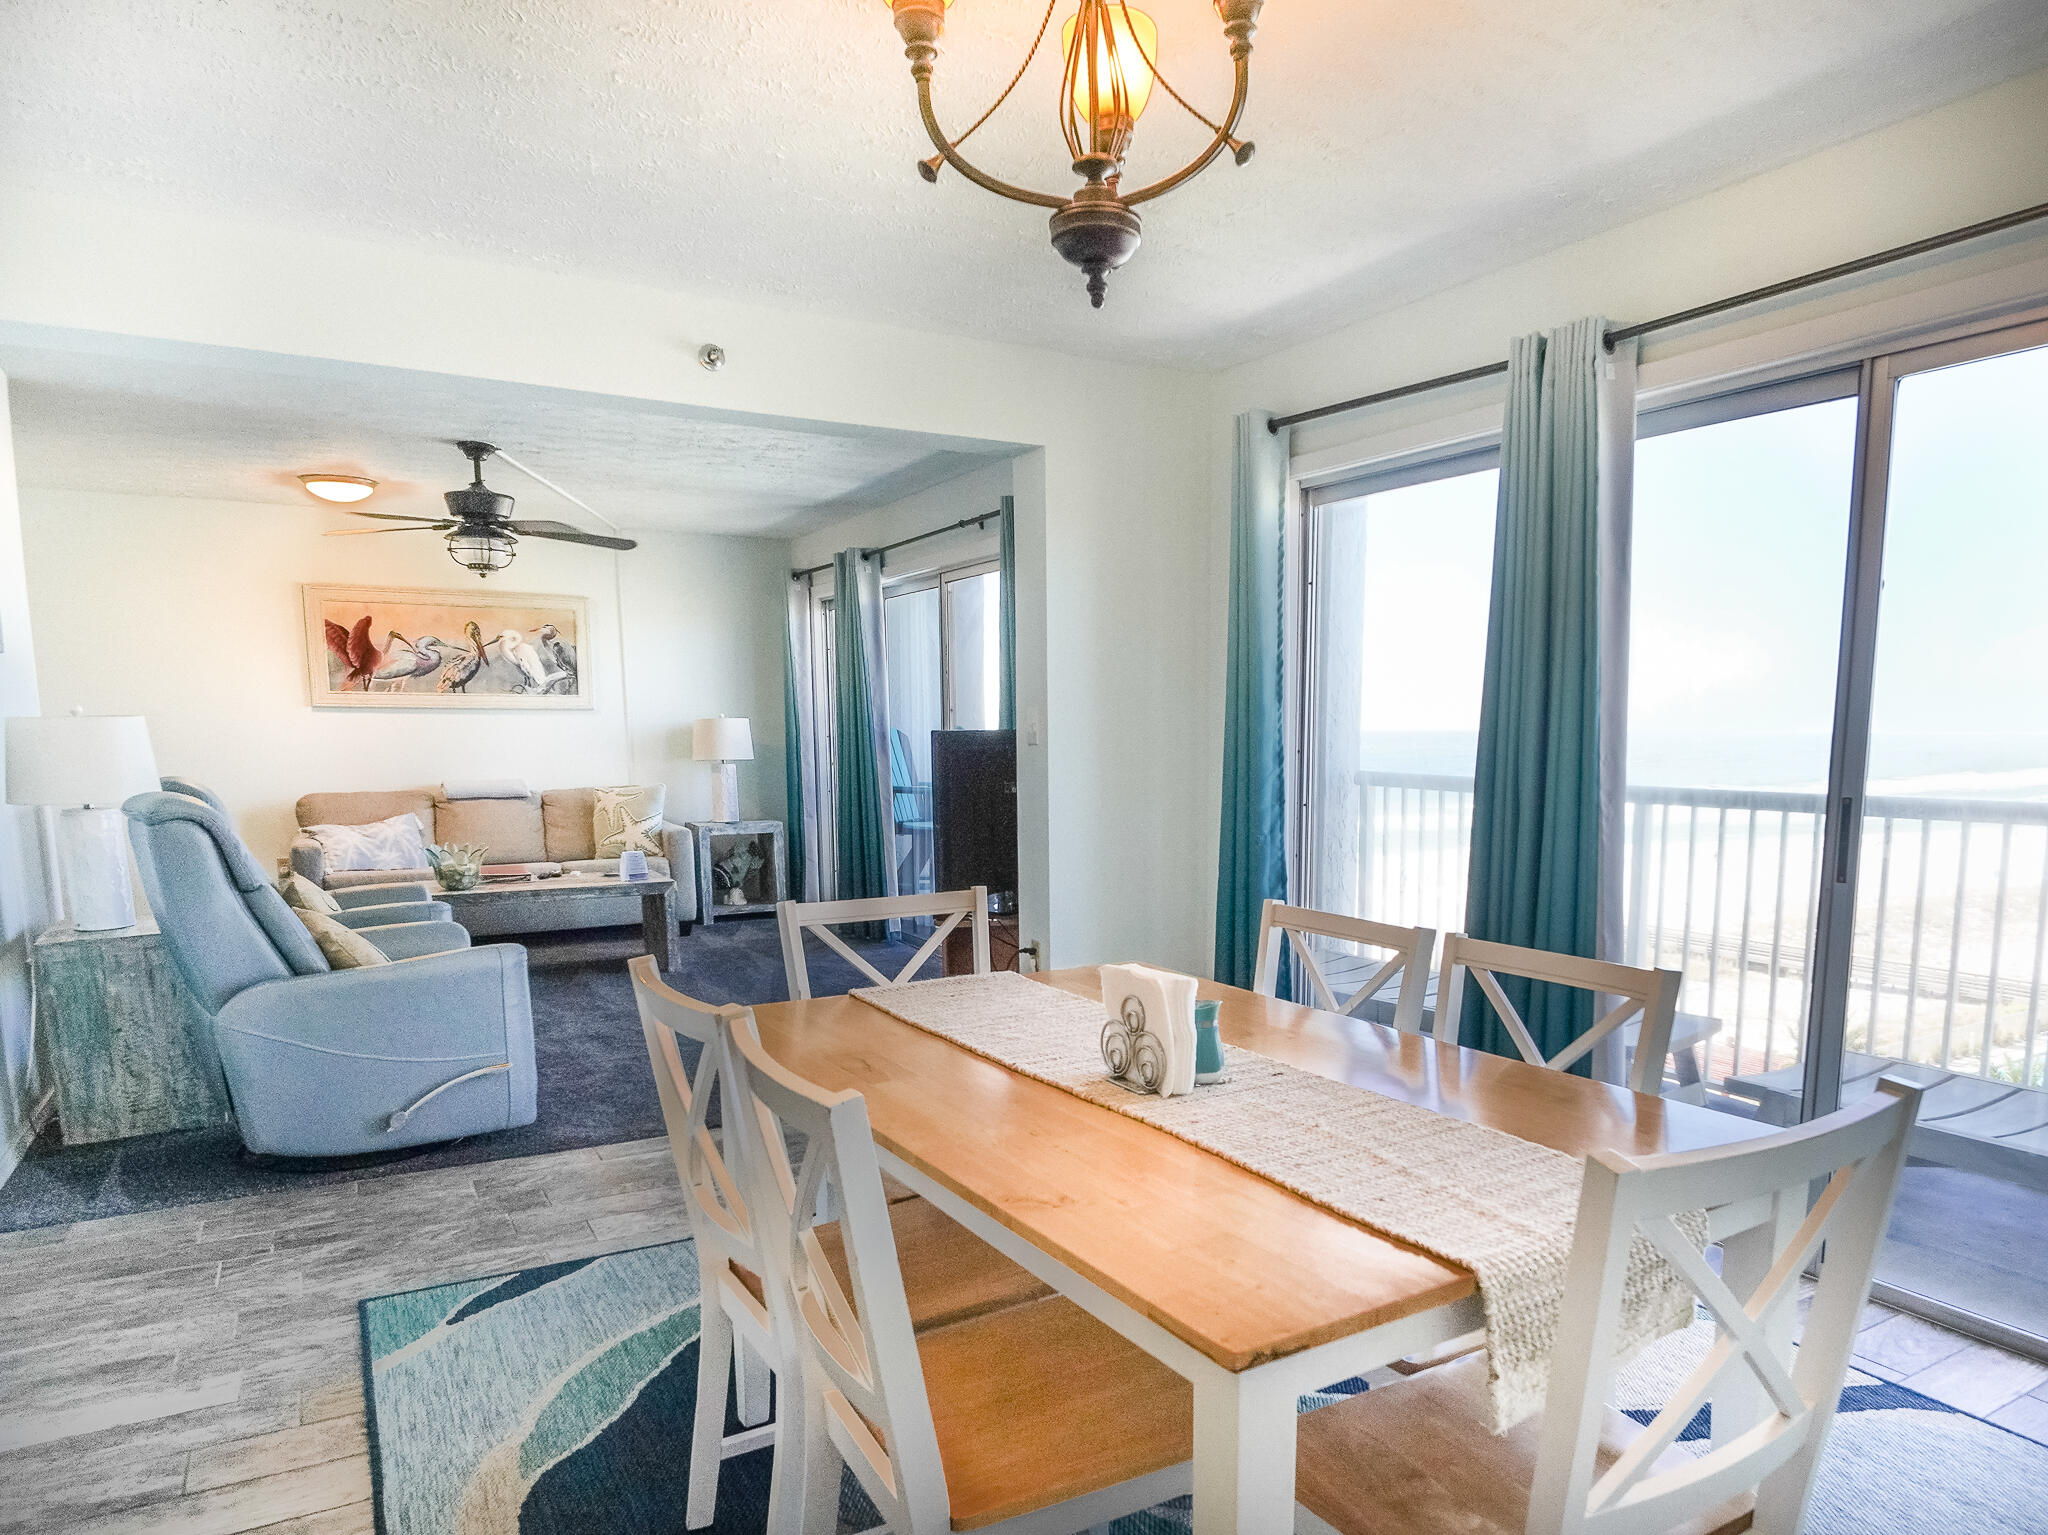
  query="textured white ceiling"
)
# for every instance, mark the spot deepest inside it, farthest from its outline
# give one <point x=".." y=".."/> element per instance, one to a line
<point x="223" y="425"/>
<point x="769" y="149"/>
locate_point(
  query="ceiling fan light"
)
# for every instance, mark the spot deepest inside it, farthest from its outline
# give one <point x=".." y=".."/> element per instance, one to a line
<point x="338" y="487"/>
<point x="482" y="550"/>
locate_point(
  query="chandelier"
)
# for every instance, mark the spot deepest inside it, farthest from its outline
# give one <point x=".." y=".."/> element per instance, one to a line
<point x="1111" y="54"/>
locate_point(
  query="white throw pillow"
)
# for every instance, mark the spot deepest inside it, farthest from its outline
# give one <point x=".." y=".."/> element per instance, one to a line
<point x="399" y="843"/>
<point x="628" y="817"/>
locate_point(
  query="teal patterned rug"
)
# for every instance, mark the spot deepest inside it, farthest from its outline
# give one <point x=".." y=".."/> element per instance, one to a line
<point x="558" y="1401"/>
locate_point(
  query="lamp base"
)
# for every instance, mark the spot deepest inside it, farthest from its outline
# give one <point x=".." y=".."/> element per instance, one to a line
<point x="92" y="855"/>
<point x="725" y="792"/>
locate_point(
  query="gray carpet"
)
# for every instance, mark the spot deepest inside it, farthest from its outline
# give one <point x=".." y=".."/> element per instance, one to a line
<point x="595" y="1088"/>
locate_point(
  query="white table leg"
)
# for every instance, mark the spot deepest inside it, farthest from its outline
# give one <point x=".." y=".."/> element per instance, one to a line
<point x="1244" y="1454"/>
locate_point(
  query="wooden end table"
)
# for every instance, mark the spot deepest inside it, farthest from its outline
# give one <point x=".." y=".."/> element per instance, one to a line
<point x="660" y="920"/>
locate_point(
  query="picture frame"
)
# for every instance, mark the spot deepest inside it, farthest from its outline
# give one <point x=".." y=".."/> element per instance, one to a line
<point x="390" y="647"/>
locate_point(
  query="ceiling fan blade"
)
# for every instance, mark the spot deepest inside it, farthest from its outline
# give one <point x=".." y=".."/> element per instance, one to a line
<point x="425" y="527"/>
<point x="394" y="517"/>
<point x="565" y="533"/>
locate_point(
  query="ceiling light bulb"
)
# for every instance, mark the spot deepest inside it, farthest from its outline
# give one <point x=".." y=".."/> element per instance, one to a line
<point x="1121" y="54"/>
<point x="338" y="487"/>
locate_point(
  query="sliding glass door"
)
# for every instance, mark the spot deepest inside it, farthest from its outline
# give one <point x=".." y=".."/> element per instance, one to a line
<point x="1937" y="905"/>
<point x="1837" y="772"/>
<point x="1400" y="571"/>
<point x="1741" y="528"/>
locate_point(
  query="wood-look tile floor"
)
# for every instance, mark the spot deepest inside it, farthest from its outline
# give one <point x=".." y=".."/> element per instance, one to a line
<point x="197" y="1371"/>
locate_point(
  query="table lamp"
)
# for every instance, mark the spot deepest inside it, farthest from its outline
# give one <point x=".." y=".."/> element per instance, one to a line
<point x="725" y="741"/>
<point x="87" y="764"/>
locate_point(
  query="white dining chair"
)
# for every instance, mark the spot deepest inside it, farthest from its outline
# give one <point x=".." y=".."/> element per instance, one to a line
<point x="1374" y="1463"/>
<point x="739" y="1338"/>
<point x="947" y="908"/>
<point x="745" y="1335"/>
<point x="1648" y="995"/>
<point x="1033" y="1420"/>
<point x="1411" y="948"/>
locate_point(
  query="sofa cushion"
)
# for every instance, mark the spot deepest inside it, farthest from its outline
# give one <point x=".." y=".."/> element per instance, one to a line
<point x="508" y="830"/>
<point x="361" y="809"/>
<point x="345" y="948"/>
<point x="627" y="817"/>
<point x="397" y="843"/>
<point x="567" y="820"/>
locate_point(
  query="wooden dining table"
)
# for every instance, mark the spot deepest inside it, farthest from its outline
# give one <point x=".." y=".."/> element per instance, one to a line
<point x="1251" y="1292"/>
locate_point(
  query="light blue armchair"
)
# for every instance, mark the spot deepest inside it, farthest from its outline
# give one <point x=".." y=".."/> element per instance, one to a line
<point x="322" y="1062"/>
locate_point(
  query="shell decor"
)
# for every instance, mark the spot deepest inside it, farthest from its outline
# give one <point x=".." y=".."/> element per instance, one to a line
<point x="1135" y="1058"/>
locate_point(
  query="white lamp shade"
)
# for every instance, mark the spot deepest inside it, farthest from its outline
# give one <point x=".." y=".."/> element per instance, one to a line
<point x="724" y="739"/>
<point x="79" y="759"/>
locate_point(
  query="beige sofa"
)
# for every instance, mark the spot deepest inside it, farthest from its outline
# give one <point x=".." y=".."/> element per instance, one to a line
<point x="556" y="826"/>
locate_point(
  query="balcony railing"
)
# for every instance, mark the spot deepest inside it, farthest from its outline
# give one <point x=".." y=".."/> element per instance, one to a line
<point x="1951" y="913"/>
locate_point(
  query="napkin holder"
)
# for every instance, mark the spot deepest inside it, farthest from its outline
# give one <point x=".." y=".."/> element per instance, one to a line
<point x="1148" y="1043"/>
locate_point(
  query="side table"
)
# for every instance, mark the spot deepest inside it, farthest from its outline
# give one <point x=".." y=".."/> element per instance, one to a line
<point x="767" y="885"/>
<point x="130" y="1052"/>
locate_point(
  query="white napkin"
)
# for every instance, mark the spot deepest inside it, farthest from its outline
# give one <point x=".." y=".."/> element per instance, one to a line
<point x="1152" y="1020"/>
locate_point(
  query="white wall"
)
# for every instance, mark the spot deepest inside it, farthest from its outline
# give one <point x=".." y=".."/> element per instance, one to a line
<point x="1112" y="529"/>
<point x="23" y="907"/>
<point x="189" y="612"/>
<point x="1974" y="159"/>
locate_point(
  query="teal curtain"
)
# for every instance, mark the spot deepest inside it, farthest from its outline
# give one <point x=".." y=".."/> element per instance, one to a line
<point x="1007" y="581"/>
<point x="1252" y="848"/>
<point x="800" y="742"/>
<point x="1535" y="870"/>
<point x="859" y="716"/>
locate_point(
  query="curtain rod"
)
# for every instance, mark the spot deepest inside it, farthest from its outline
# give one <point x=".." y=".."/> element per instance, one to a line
<point x="915" y="538"/>
<point x="1697" y="312"/>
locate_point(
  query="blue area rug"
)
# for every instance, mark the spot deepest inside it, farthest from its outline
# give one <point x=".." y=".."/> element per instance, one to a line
<point x="559" y="1400"/>
<point x="595" y="1088"/>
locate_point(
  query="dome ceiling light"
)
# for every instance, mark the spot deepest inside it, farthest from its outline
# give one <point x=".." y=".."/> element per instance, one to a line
<point x="1111" y="54"/>
<point x="341" y="488"/>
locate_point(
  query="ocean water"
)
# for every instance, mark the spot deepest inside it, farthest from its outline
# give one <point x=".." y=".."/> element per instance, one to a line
<point x="1949" y="765"/>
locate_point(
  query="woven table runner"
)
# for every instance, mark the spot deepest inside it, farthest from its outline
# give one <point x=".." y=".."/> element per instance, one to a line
<point x="1501" y="1207"/>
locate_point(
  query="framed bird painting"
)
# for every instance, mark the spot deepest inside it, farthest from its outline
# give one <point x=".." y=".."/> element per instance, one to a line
<point x="380" y="647"/>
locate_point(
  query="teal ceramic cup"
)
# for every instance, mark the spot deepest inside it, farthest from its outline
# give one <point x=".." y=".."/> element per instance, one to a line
<point x="1208" y="1043"/>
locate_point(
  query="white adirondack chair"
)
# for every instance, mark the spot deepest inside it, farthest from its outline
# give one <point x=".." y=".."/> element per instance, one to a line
<point x="1651" y="995"/>
<point x="1410" y="960"/>
<point x="795" y="918"/>
<point x="1366" y="1464"/>
<point x="1033" y="1420"/>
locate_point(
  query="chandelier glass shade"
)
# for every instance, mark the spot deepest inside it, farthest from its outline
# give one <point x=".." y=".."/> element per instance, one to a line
<point x="1110" y="64"/>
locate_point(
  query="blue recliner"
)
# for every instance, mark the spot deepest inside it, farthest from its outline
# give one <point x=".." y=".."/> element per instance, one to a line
<point x="322" y="1062"/>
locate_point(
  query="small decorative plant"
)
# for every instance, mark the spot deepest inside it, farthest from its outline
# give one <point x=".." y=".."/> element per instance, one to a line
<point x="457" y="865"/>
<point x="733" y="871"/>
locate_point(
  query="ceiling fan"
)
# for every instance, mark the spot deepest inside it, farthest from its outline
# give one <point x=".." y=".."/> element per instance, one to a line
<point x="481" y="533"/>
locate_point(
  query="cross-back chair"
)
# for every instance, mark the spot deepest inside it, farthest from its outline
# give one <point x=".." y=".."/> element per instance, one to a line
<point x="947" y="908"/>
<point x="1033" y="1420"/>
<point x="741" y="1338"/>
<point x="951" y="1273"/>
<point x="1650" y="995"/>
<point x="1582" y="1469"/>
<point x="1410" y="960"/>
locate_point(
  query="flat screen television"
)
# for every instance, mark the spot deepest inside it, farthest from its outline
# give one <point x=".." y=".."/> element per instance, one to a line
<point x="974" y="813"/>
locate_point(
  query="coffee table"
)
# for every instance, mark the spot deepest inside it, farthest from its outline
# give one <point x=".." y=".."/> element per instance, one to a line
<point x="659" y="918"/>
